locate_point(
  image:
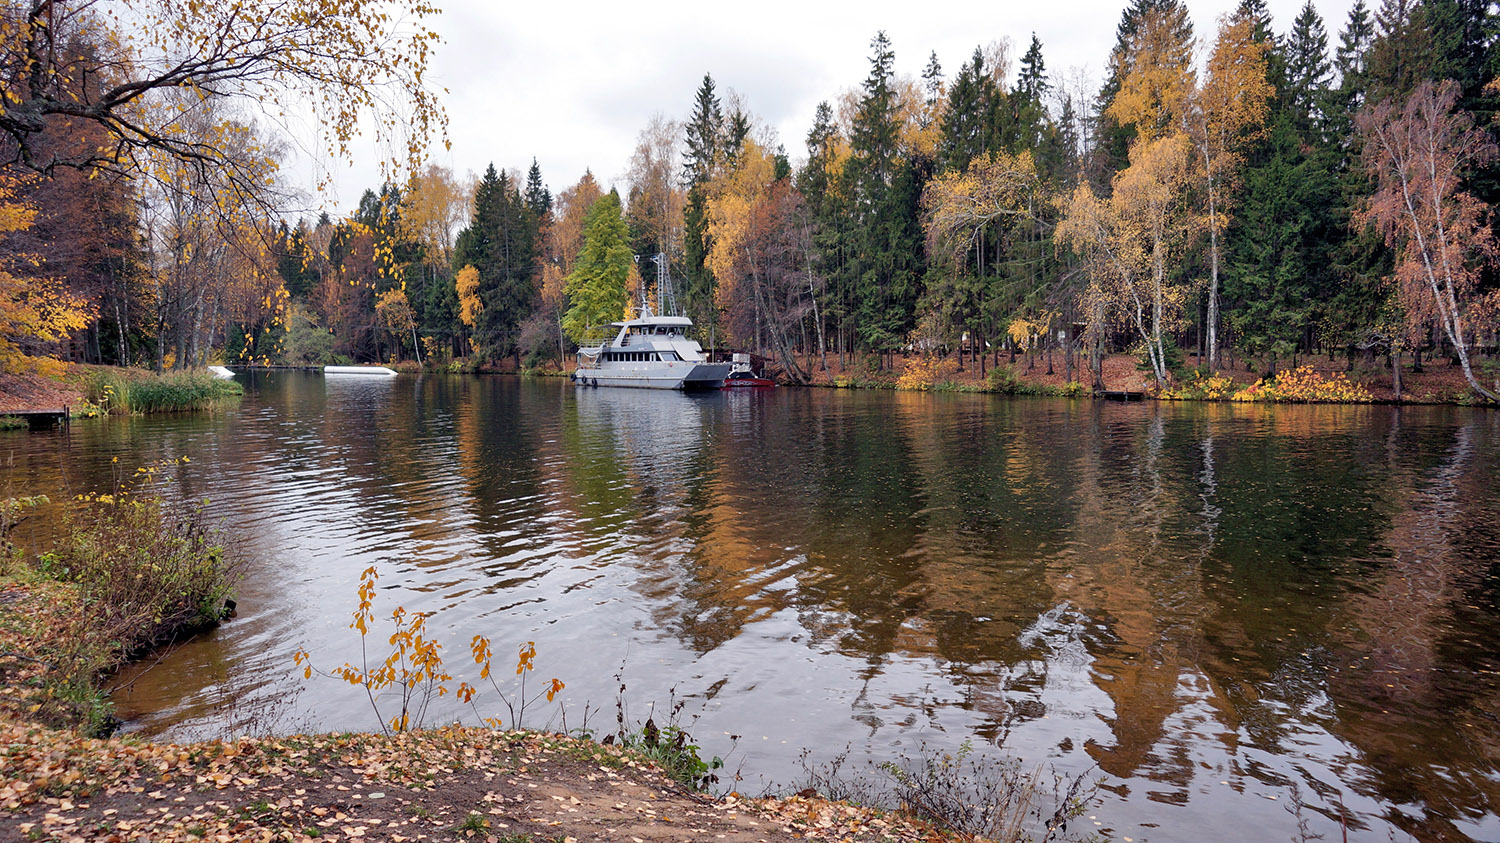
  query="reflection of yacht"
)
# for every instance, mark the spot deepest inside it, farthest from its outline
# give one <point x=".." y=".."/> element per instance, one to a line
<point x="653" y="351"/>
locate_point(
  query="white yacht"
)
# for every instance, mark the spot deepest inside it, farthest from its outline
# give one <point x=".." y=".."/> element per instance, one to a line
<point x="652" y="351"/>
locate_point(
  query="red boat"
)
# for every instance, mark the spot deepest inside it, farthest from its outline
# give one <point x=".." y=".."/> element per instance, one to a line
<point x="746" y="380"/>
<point x="742" y="377"/>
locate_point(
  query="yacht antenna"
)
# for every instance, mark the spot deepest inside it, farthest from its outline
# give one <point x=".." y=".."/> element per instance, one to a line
<point x="640" y="291"/>
<point x="666" y="294"/>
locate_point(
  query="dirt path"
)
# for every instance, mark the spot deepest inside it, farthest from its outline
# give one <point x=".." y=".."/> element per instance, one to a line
<point x="445" y="784"/>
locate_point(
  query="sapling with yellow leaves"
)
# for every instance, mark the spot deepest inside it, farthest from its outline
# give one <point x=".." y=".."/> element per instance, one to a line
<point x="413" y="669"/>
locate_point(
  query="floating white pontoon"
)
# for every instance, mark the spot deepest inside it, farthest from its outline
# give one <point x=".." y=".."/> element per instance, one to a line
<point x="357" y="370"/>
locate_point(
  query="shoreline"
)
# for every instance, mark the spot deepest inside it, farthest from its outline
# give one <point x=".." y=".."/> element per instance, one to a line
<point x="444" y="783"/>
<point x="1437" y="385"/>
<point x="440" y="783"/>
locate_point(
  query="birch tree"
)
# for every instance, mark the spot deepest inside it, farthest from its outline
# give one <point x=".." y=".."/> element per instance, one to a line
<point x="1131" y="242"/>
<point x="1417" y="150"/>
<point x="1223" y="114"/>
<point x="345" y="66"/>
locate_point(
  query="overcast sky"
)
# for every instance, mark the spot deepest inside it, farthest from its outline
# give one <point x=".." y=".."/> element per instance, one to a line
<point x="573" y="83"/>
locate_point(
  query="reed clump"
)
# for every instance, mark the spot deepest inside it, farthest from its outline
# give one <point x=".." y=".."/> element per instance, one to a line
<point x="125" y="392"/>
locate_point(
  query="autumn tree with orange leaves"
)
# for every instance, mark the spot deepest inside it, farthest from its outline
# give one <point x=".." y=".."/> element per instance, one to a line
<point x="758" y="254"/>
<point x="1417" y="150"/>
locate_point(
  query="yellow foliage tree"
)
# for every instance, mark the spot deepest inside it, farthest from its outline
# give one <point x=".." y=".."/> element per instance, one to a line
<point x="1130" y="242"/>
<point x="1224" y="114"/>
<point x="347" y="65"/>
<point x="33" y="308"/>
<point x="1156" y="74"/>
<point x="396" y="314"/>
<point x="734" y="195"/>
<point x="469" y="305"/>
<point x="959" y="206"/>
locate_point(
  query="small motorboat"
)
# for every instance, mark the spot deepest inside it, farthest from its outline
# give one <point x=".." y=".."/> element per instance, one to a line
<point x="741" y="376"/>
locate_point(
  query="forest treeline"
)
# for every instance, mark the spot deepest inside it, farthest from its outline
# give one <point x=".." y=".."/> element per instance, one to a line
<point x="1235" y="194"/>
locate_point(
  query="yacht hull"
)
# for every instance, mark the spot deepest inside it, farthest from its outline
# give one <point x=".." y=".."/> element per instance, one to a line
<point x="678" y="376"/>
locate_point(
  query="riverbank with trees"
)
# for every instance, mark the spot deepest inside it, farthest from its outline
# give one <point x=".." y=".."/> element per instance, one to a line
<point x="1237" y="193"/>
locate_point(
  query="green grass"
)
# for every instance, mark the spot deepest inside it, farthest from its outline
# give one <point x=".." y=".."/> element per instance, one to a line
<point x="473" y="822"/>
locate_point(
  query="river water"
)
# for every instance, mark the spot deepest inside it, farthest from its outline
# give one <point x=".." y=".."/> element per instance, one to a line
<point x="1210" y="607"/>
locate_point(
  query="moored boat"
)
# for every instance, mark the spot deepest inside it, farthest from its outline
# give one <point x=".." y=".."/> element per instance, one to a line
<point x="652" y="352"/>
<point x="741" y="376"/>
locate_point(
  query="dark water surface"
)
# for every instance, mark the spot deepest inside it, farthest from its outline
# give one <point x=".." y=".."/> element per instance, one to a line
<point x="1208" y="604"/>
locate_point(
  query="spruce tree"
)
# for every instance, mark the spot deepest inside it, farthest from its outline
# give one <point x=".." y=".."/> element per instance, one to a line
<point x="500" y="243"/>
<point x="1260" y="19"/>
<point x="1308" y="71"/>
<point x="736" y="131"/>
<point x="967" y="128"/>
<point x="1351" y="62"/>
<point x="702" y="133"/>
<point x="1030" y="98"/>
<point x="831" y="225"/>
<point x="538" y="197"/>
<point x="1277" y="278"/>
<point x="1400" y="56"/>
<point x="887" y="193"/>
<point x="932" y="83"/>
<point x="876" y="130"/>
<point x="1113" y="142"/>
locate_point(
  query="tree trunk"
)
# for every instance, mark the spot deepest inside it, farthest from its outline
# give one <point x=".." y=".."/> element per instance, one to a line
<point x="1396" y="371"/>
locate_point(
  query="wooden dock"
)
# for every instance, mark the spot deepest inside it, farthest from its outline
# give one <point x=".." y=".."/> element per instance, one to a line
<point x="44" y="419"/>
<point x="1121" y="395"/>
